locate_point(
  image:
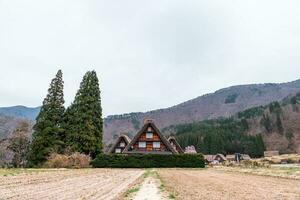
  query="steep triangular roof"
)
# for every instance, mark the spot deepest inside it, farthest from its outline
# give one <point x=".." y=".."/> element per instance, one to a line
<point x="123" y="136"/>
<point x="144" y="129"/>
<point x="178" y="147"/>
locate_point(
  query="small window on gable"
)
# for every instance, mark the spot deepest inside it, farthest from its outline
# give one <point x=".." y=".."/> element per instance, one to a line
<point x="149" y="135"/>
<point x="118" y="150"/>
<point x="156" y="145"/>
<point x="149" y="129"/>
<point x="122" y="144"/>
<point x="142" y="144"/>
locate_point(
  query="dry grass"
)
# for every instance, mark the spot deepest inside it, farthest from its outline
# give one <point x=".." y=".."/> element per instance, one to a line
<point x="292" y="172"/>
<point x="216" y="184"/>
<point x="286" y="158"/>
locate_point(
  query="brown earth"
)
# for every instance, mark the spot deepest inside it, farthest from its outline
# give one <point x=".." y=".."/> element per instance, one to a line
<point x="68" y="184"/>
<point x="216" y="185"/>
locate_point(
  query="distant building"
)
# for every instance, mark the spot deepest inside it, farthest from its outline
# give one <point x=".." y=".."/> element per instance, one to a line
<point x="219" y="158"/>
<point x="190" y="150"/>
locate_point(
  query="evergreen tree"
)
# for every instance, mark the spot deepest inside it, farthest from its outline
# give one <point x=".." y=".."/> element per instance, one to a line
<point x="83" y="119"/>
<point x="47" y="136"/>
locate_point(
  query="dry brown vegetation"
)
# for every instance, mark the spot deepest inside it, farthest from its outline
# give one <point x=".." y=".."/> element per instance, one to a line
<point x="66" y="184"/>
<point x="213" y="184"/>
<point x="286" y="158"/>
<point x="184" y="184"/>
<point x="289" y="171"/>
<point x="75" y="160"/>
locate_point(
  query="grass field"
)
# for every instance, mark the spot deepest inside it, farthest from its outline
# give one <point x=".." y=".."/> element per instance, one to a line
<point x="187" y="184"/>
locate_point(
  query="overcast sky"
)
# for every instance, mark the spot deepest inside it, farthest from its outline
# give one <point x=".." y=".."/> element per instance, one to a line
<point x="148" y="54"/>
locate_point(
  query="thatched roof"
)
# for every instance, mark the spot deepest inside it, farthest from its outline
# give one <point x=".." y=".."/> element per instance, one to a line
<point x="211" y="158"/>
<point x="122" y="136"/>
<point x="221" y="156"/>
<point x="148" y="123"/>
<point x="174" y="141"/>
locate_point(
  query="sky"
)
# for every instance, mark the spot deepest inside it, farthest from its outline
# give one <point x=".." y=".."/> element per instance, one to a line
<point x="148" y="54"/>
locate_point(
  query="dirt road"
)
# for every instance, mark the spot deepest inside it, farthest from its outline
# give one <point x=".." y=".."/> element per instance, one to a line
<point x="212" y="184"/>
<point x="68" y="184"/>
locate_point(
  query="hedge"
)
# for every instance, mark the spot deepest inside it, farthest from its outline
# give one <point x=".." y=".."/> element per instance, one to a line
<point x="149" y="161"/>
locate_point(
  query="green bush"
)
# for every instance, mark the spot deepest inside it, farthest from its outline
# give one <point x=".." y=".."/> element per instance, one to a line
<point x="148" y="161"/>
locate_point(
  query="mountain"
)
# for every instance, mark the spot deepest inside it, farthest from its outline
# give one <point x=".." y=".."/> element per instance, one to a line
<point x="223" y="103"/>
<point x="20" y="112"/>
<point x="276" y="124"/>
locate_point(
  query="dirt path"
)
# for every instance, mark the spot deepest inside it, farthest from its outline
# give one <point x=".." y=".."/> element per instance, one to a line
<point x="68" y="184"/>
<point x="213" y="185"/>
<point x="149" y="190"/>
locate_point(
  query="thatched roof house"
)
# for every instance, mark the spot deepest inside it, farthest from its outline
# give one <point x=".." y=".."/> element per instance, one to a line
<point x="190" y="150"/>
<point x="149" y="140"/>
<point x="120" y="144"/>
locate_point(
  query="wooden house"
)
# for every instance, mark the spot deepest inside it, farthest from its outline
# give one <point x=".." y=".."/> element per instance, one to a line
<point x="149" y="140"/>
<point x="175" y="144"/>
<point x="120" y="144"/>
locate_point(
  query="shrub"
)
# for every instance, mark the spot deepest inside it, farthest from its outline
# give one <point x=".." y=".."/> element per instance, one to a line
<point x="149" y="161"/>
<point x="75" y="160"/>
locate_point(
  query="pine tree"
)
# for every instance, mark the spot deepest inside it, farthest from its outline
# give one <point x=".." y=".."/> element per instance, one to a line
<point x="47" y="130"/>
<point x="83" y="119"/>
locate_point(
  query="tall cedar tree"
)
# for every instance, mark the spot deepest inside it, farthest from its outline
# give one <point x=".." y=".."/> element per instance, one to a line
<point x="47" y="135"/>
<point x="83" y="119"/>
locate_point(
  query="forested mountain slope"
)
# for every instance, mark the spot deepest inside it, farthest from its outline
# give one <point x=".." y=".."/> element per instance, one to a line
<point x="222" y="103"/>
<point x="276" y="124"/>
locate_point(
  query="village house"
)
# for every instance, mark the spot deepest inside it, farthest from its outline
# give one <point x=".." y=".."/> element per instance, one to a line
<point x="120" y="144"/>
<point x="149" y="140"/>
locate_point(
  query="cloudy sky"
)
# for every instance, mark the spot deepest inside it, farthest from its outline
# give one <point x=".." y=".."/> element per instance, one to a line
<point x="148" y="54"/>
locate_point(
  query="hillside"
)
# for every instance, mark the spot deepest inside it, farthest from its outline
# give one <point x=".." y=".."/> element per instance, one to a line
<point x="277" y="124"/>
<point x="222" y="103"/>
<point x="20" y="112"/>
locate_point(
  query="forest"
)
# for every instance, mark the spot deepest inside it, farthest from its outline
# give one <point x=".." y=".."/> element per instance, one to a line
<point x="224" y="136"/>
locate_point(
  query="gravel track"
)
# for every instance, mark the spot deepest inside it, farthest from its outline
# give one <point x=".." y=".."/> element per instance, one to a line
<point x="68" y="184"/>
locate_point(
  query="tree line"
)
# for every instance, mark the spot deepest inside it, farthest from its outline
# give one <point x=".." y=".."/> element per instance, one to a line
<point x="77" y="128"/>
<point x="226" y="136"/>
